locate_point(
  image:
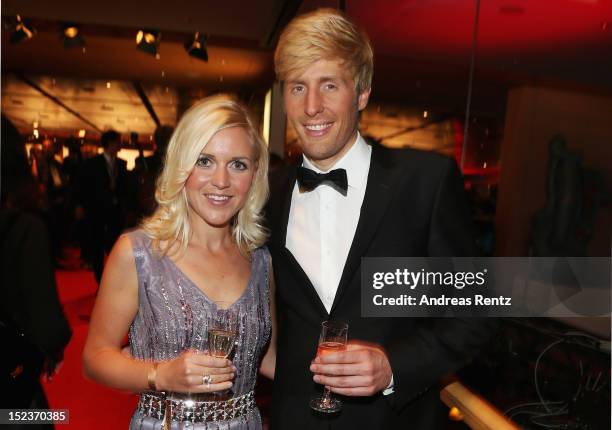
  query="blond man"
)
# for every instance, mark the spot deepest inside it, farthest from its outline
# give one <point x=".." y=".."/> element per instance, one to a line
<point x="342" y="201"/>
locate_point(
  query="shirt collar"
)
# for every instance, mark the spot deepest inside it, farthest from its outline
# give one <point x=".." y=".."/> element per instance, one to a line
<point x="356" y="162"/>
<point x="108" y="158"/>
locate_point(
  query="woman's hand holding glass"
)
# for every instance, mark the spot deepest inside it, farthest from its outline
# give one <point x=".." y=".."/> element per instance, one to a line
<point x="195" y="372"/>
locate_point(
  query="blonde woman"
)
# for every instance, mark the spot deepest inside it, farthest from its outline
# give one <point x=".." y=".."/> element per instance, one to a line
<point x="203" y="245"/>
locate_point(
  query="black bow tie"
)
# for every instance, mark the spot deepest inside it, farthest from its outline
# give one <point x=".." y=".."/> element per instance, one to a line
<point x="309" y="179"/>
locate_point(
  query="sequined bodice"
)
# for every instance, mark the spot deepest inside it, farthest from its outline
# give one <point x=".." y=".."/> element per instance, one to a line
<point x="172" y="313"/>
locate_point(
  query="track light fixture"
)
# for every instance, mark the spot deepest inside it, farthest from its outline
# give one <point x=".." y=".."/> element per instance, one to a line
<point x="197" y="47"/>
<point x="21" y="31"/>
<point x="72" y="37"/>
<point x="148" y="41"/>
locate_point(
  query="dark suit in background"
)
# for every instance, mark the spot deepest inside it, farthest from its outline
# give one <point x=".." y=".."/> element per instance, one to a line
<point x="101" y="193"/>
<point x="413" y="206"/>
<point x="147" y="171"/>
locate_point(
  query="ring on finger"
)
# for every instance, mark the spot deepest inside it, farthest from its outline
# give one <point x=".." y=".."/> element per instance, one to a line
<point x="206" y="380"/>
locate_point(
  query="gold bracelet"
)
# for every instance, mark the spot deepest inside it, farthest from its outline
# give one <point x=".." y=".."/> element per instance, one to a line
<point x="152" y="376"/>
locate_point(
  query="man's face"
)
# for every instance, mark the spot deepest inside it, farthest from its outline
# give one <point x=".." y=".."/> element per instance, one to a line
<point x="113" y="147"/>
<point x="323" y="108"/>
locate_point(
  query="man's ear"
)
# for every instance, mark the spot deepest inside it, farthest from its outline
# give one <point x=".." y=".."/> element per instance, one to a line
<point x="362" y="100"/>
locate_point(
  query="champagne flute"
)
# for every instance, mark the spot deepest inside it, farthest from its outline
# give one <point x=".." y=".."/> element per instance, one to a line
<point x="222" y="330"/>
<point x="222" y="333"/>
<point x="332" y="339"/>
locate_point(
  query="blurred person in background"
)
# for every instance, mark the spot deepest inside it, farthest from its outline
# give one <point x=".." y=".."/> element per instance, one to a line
<point x="55" y="187"/>
<point x="101" y="199"/>
<point x="33" y="328"/>
<point x="70" y="168"/>
<point x="148" y="169"/>
<point x="74" y="159"/>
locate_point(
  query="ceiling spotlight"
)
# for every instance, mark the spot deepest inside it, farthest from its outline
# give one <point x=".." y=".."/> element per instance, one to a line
<point x="21" y="31"/>
<point x="72" y="37"/>
<point x="148" y="41"/>
<point x="197" y="47"/>
<point x="71" y="31"/>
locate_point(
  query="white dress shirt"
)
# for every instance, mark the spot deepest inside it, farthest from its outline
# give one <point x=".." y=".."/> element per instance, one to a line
<point x="111" y="168"/>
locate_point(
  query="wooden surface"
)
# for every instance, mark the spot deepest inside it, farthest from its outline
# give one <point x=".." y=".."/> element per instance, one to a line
<point x="477" y="413"/>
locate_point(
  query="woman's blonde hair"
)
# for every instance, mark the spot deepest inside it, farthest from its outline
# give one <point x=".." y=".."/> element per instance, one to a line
<point x="169" y="225"/>
<point x="325" y="34"/>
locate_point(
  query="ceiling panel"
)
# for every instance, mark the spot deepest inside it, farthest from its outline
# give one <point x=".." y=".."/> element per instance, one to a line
<point x="107" y="104"/>
<point x="233" y="18"/>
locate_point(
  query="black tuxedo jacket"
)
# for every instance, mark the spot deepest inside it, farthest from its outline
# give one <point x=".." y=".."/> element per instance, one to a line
<point x="413" y="206"/>
<point x="94" y="190"/>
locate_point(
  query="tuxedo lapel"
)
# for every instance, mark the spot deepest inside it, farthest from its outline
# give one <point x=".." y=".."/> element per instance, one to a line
<point x="283" y="206"/>
<point x="382" y="176"/>
<point x="305" y="285"/>
<point x="279" y="237"/>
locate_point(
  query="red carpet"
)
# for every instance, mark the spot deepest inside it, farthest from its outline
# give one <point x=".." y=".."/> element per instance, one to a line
<point x="91" y="406"/>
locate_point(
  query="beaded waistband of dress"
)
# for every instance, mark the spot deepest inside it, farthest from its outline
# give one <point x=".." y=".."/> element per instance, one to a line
<point x="156" y="405"/>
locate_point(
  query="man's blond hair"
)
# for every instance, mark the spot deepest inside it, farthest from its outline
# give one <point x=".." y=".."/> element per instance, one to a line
<point x="325" y="34"/>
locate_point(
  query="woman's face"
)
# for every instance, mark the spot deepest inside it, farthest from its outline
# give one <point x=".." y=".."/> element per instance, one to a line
<point x="218" y="186"/>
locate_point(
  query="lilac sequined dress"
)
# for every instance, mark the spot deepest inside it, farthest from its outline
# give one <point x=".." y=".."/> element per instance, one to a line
<point x="172" y="316"/>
